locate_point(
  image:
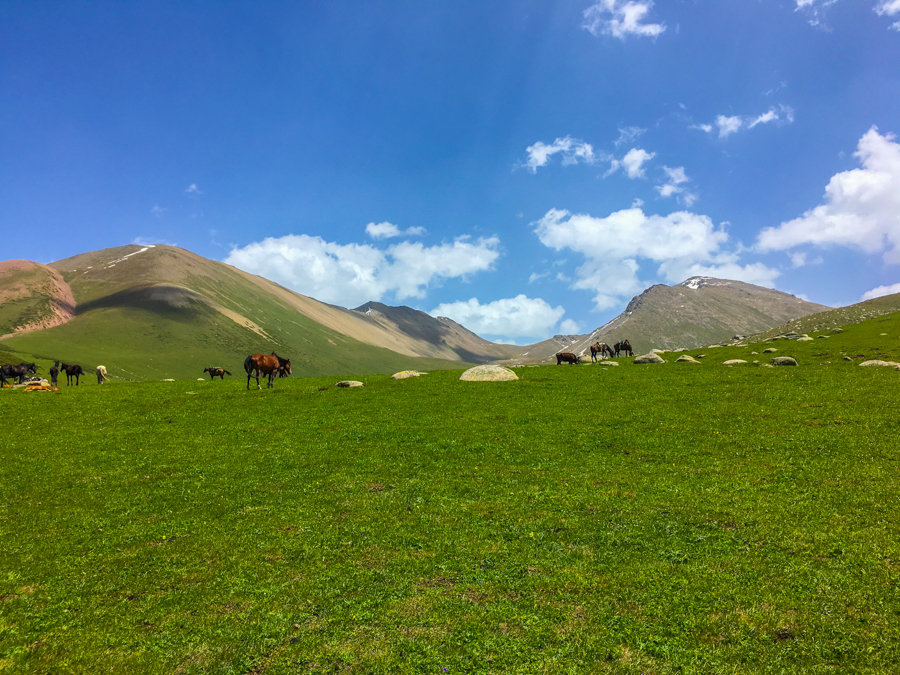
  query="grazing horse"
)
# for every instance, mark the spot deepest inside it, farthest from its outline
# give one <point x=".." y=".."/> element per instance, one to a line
<point x="18" y="372"/>
<point x="567" y="357"/>
<point x="216" y="372"/>
<point x="602" y="349"/>
<point x="623" y="346"/>
<point x="54" y="373"/>
<point x="101" y="374"/>
<point x="267" y="364"/>
<point x="74" y="370"/>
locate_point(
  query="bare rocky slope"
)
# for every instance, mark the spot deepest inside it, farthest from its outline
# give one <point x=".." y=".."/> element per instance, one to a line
<point x="32" y="296"/>
<point x="695" y="313"/>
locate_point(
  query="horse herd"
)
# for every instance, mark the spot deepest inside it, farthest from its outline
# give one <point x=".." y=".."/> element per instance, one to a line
<point x="18" y="373"/>
<point x="262" y="364"/>
<point x="601" y="348"/>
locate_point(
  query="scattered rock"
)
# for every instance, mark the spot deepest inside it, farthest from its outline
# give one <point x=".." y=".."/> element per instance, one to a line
<point x="404" y="374"/>
<point x="657" y="351"/>
<point x="882" y="333"/>
<point x="701" y="356"/>
<point x="783" y="361"/>
<point x="488" y="374"/>
<point x="648" y="358"/>
<point x="770" y="350"/>
<point x="877" y="362"/>
<point x="805" y="339"/>
<point x="734" y="362"/>
<point x="169" y="380"/>
<point x="684" y="358"/>
<point x="824" y="336"/>
<point x="754" y="353"/>
<point x="837" y="330"/>
<point x="608" y="363"/>
<point x="847" y="358"/>
<point x="200" y="379"/>
<point x="349" y="383"/>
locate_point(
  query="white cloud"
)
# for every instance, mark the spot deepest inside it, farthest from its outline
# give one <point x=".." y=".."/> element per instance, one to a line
<point x="861" y="208"/>
<point x="571" y="149"/>
<point x="815" y="10"/>
<point x="351" y="274"/>
<point x="627" y="135"/>
<point x="158" y="210"/>
<point x="516" y="317"/>
<point x="192" y="189"/>
<point x="889" y="8"/>
<point x="730" y="124"/>
<point x="569" y="327"/>
<point x="152" y="241"/>
<point x="676" y="177"/>
<point x="621" y="18"/>
<point x="634" y="161"/>
<point x="534" y="276"/>
<point x="386" y="230"/>
<point x="881" y="291"/>
<point x="682" y="244"/>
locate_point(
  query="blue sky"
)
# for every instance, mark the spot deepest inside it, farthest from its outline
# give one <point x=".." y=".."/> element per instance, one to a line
<point x="522" y="167"/>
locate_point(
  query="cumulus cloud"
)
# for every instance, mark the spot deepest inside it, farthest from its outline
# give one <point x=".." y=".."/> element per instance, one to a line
<point x="815" y="11"/>
<point x="674" y="185"/>
<point x="889" y="8"/>
<point x="387" y="230"/>
<point x="682" y="244"/>
<point x="731" y="124"/>
<point x="881" y="291"/>
<point x="634" y="162"/>
<point x="518" y="317"/>
<point x="861" y="208"/>
<point x="627" y="135"/>
<point x="571" y="150"/>
<point x="621" y="18"/>
<point x="351" y="274"/>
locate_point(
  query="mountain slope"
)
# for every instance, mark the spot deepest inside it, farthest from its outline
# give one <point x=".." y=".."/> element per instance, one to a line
<point x="154" y="311"/>
<point x="835" y="318"/>
<point x="32" y="297"/>
<point x="697" y="312"/>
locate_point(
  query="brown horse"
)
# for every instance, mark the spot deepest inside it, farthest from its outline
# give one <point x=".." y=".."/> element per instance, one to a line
<point x="267" y="364"/>
<point x="623" y="346"/>
<point x="567" y="357"/>
<point x="216" y="372"/>
<point x="602" y="349"/>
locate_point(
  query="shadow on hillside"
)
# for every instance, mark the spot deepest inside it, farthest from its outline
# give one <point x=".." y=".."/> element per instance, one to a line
<point x="165" y="301"/>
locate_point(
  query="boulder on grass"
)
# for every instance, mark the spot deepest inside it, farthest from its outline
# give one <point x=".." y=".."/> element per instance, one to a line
<point x="783" y="361"/>
<point x="770" y="350"/>
<point x="734" y="362"/>
<point x="877" y="362"/>
<point x="349" y="383"/>
<point x="488" y="374"/>
<point x="685" y="358"/>
<point x="404" y="374"/>
<point x="649" y="358"/>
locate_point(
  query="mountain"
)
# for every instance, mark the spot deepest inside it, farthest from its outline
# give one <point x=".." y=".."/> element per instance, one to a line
<point x="835" y="318"/>
<point x="32" y="297"/>
<point x="697" y="312"/>
<point x="150" y="312"/>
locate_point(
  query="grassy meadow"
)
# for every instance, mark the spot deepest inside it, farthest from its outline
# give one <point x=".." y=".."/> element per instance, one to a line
<point x="659" y="519"/>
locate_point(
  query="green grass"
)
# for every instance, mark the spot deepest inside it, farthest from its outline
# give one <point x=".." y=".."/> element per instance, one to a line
<point x="653" y="519"/>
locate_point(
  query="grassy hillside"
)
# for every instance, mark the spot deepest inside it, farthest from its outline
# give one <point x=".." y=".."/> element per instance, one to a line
<point x="29" y="295"/>
<point x="640" y="519"/>
<point x="207" y="314"/>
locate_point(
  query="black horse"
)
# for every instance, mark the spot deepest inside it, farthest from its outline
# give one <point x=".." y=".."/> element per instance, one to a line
<point x="216" y="372"/>
<point x="623" y="346"/>
<point x="74" y="370"/>
<point x="54" y="373"/>
<point x="18" y="372"/>
<point x="567" y="357"/>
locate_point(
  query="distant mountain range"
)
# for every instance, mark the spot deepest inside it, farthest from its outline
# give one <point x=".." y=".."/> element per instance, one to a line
<point x="150" y="312"/>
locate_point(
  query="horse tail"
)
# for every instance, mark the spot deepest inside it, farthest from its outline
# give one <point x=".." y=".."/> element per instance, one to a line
<point x="225" y="371"/>
<point x="247" y="365"/>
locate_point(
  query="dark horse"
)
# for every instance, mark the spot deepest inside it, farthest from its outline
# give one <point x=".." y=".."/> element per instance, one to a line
<point x="623" y="346"/>
<point x="567" y="357"/>
<point x="267" y="364"/>
<point x="216" y="372"/>
<point x="17" y="372"/>
<point x="54" y="373"/>
<point x="602" y="349"/>
<point x="74" y="370"/>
